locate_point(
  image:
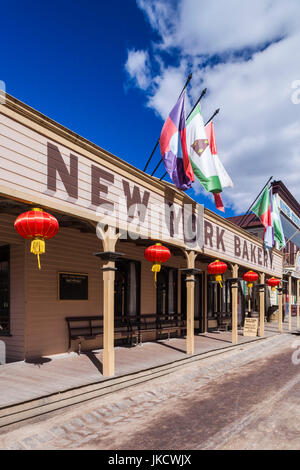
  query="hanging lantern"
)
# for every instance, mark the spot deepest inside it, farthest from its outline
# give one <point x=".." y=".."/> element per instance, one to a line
<point x="157" y="254"/>
<point x="37" y="226"/>
<point x="217" y="268"/>
<point x="250" y="277"/>
<point x="273" y="282"/>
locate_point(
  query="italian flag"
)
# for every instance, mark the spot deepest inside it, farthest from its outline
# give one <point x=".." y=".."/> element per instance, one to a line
<point x="202" y="150"/>
<point x="263" y="210"/>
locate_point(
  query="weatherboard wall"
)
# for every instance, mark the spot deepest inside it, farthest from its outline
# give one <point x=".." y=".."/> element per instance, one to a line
<point x="73" y="251"/>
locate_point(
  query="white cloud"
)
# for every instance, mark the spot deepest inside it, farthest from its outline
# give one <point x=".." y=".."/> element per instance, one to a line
<point x="166" y="89"/>
<point x="258" y="128"/>
<point x="137" y="67"/>
<point x="199" y="27"/>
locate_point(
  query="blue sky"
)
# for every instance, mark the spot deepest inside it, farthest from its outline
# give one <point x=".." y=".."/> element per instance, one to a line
<point x="69" y="60"/>
<point x="66" y="59"/>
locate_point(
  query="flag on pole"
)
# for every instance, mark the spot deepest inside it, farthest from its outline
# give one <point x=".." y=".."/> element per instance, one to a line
<point x="173" y="147"/>
<point x="263" y="210"/>
<point x="199" y="152"/>
<point x="202" y="149"/>
<point x="224" y="178"/>
<point x="277" y="225"/>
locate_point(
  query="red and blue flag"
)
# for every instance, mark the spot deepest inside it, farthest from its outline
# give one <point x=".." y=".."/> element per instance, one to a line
<point x="173" y="147"/>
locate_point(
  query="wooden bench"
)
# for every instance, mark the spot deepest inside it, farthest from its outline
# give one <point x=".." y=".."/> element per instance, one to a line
<point x="170" y="323"/>
<point x="90" y="327"/>
<point x="146" y="323"/>
<point x="159" y="324"/>
<point x="224" y="320"/>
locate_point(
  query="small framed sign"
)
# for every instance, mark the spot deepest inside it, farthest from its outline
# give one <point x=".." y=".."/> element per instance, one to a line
<point x="73" y="286"/>
<point x="250" y="327"/>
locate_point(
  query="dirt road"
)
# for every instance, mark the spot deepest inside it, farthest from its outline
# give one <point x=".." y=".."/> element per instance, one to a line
<point x="248" y="398"/>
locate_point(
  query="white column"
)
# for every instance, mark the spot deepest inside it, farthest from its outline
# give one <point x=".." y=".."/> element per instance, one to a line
<point x="109" y="240"/>
<point x="190" y="302"/>
<point x="262" y="306"/>
<point x="108" y="319"/>
<point x="280" y="308"/>
<point x="298" y="304"/>
<point x="234" y="290"/>
<point x="190" y="309"/>
<point x="290" y="302"/>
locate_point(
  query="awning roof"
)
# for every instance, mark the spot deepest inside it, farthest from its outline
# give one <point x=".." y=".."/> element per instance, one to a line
<point x="290" y="230"/>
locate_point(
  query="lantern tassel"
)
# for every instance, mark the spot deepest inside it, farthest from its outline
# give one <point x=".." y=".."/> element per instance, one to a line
<point x="38" y="248"/>
<point x="156" y="269"/>
<point x="219" y="280"/>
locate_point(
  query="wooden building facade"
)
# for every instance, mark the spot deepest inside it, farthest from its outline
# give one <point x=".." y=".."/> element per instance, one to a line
<point x="107" y="207"/>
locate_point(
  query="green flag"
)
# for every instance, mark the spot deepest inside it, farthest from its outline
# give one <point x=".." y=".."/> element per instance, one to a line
<point x="278" y="230"/>
<point x="263" y="211"/>
<point x="199" y="152"/>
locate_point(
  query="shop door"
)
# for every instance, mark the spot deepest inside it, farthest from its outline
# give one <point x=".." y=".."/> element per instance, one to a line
<point x="4" y="290"/>
<point x="241" y="301"/>
<point x="166" y="292"/>
<point x="127" y="289"/>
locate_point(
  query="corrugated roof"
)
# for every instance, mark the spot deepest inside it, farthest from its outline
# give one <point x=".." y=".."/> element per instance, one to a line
<point x="251" y="220"/>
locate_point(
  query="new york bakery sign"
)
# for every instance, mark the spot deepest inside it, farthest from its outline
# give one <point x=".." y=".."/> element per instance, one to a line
<point x="39" y="170"/>
<point x="143" y="213"/>
<point x="230" y="245"/>
<point x="121" y="202"/>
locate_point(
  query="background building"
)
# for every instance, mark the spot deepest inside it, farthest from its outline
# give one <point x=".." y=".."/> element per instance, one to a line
<point x="290" y="217"/>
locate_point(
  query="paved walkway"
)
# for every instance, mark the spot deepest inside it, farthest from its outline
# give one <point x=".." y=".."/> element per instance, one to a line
<point x="246" y="397"/>
<point x="22" y="381"/>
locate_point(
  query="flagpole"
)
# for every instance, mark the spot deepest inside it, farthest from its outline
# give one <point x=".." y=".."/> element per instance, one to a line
<point x="247" y="213"/>
<point x="198" y="100"/>
<point x="157" y="166"/>
<point x="149" y="159"/>
<point x="155" y="147"/>
<point x="210" y="119"/>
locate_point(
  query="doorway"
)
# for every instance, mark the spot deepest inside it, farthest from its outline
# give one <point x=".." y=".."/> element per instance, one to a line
<point x="4" y="290"/>
<point x="166" y="292"/>
<point x="127" y="289"/>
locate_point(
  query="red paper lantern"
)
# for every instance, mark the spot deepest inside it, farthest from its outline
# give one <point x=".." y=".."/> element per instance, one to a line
<point x="38" y="226"/>
<point x="273" y="282"/>
<point x="217" y="268"/>
<point x="250" y="277"/>
<point x="157" y="254"/>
